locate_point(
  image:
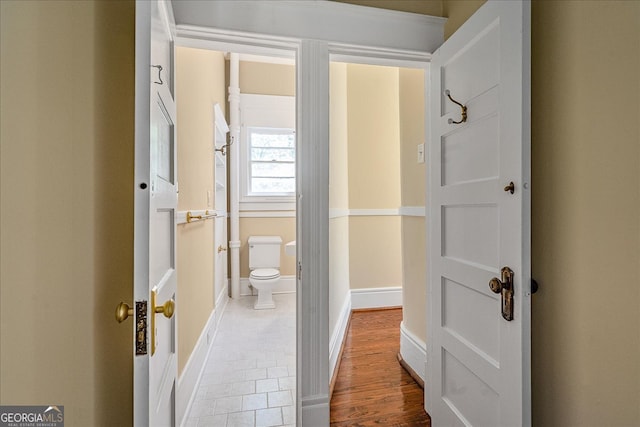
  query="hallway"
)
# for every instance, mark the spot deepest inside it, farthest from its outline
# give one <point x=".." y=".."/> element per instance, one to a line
<point x="372" y="388"/>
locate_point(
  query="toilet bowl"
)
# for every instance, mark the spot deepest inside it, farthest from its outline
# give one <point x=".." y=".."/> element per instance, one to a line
<point x="264" y="263"/>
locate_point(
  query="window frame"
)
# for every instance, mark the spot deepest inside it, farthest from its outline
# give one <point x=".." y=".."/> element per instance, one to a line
<point x="250" y="162"/>
<point x="263" y="112"/>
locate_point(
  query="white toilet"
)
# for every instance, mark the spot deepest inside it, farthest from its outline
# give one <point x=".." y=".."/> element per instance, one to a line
<point x="264" y="263"/>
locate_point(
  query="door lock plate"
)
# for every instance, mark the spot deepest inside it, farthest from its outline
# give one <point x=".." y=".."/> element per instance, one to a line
<point x="505" y="288"/>
<point x="141" y="328"/>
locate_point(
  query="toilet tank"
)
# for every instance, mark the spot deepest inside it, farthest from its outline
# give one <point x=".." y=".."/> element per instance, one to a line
<point x="264" y="252"/>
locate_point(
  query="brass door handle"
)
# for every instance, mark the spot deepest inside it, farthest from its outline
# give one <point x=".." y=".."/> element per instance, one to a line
<point x="167" y="309"/>
<point x="510" y="188"/>
<point x="123" y="311"/>
<point x="221" y="249"/>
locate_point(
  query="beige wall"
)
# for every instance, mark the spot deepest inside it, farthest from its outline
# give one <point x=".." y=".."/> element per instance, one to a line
<point x="586" y="213"/>
<point x="585" y="210"/>
<point x="200" y="81"/>
<point x="338" y="192"/>
<point x="281" y="81"/>
<point x="283" y="227"/>
<point x="373" y="132"/>
<point x="66" y="207"/>
<point x="374" y="252"/>
<point x="457" y="12"/>
<point x="338" y="138"/>
<point x="411" y="129"/>
<point x="412" y="177"/>
<point x="267" y="79"/>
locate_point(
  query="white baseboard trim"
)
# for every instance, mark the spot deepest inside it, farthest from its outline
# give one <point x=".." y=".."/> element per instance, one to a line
<point x="338" y="334"/>
<point x="413" y="350"/>
<point x="193" y="370"/>
<point x="221" y="303"/>
<point x="376" y="297"/>
<point x="314" y="411"/>
<point x="286" y="285"/>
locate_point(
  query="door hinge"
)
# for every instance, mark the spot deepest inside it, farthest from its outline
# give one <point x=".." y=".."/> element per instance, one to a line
<point x="299" y="271"/>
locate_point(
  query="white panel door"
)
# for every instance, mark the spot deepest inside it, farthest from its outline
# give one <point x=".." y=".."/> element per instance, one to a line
<point x="156" y="199"/>
<point x="220" y="257"/>
<point x="478" y="362"/>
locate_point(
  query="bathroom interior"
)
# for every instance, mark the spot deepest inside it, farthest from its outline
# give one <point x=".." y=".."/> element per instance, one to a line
<point x="237" y="338"/>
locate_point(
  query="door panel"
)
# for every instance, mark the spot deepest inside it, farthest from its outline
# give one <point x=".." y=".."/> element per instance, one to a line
<point x="155" y="214"/>
<point x="478" y="363"/>
<point x="477" y="331"/>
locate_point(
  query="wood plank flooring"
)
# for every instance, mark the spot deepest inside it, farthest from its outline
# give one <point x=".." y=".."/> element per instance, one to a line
<point x="371" y="388"/>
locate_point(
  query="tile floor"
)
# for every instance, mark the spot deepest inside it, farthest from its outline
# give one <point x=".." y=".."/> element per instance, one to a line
<point x="250" y="376"/>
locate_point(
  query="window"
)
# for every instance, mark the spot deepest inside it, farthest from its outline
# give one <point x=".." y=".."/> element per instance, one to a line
<point x="267" y="153"/>
<point x="271" y="157"/>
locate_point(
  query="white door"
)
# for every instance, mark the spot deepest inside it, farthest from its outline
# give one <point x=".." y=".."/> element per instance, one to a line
<point x="155" y="362"/>
<point x="478" y="362"/>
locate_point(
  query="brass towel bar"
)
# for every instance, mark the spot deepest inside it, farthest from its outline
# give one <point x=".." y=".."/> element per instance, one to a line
<point x="193" y="218"/>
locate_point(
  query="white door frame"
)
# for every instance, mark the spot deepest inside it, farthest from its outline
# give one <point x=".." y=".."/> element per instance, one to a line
<point x="353" y="34"/>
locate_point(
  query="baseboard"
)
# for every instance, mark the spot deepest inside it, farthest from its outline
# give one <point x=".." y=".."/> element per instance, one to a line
<point x="376" y="297"/>
<point x="193" y="370"/>
<point x="221" y="303"/>
<point x="314" y="411"/>
<point x="286" y="285"/>
<point x="413" y="353"/>
<point x="336" y="345"/>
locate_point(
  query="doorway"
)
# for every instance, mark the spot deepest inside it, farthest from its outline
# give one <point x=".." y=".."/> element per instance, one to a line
<point x="242" y="362"/>
<point x="377" y="234"/>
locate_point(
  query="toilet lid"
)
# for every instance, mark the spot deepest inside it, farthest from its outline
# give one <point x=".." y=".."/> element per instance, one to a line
<point x="265" y="273"/>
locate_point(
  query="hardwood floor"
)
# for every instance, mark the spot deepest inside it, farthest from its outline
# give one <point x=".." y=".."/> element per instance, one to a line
<point x="371" y="388"/>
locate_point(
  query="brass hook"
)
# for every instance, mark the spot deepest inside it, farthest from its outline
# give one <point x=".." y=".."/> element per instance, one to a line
<point x="222" y="149"/>
<point x="462" y="107"/>
<point x="159" y="67"/>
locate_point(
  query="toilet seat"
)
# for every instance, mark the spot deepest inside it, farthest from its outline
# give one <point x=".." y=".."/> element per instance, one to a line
<point x="265" y="274"/>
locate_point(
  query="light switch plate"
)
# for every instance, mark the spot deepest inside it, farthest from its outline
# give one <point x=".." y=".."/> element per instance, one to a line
<point x="420" y="153"/>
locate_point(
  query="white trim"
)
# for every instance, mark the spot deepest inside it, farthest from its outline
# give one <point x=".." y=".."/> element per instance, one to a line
<point x="376" y="297"/>
<point x="314" y="411"/>
<point x="401" y="211"/>
<point x="309" y="22"/>
<point x="316" y="20"/>
<point x="413" y="351"/>
<point x="221" y="302"/>
<point x="412" y="211"/>
<point x="338" y="213"/>
<point x="374" y="212"/>
<point x="339" y="334"/>
<point x="263" y="112"/>
<point x="194" y="369"/>
<point x="247" y="57"/>
<point x="268" y="214"/>
<point x="286" y="285"/>
<point x="312" y="231"/>
<point x="378" y="56"/>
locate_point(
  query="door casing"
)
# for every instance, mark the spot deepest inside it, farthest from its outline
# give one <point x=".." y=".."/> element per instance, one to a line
<point x="312" y="107"/>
